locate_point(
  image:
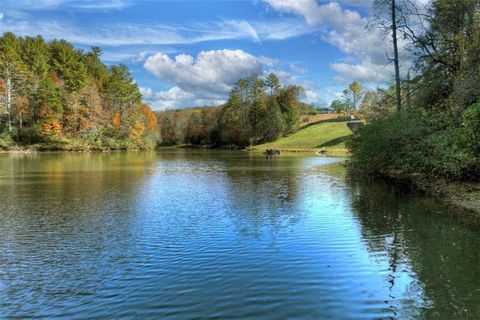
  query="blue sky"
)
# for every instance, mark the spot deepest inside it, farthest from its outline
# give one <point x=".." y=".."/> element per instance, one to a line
<point x="185" y="53"/>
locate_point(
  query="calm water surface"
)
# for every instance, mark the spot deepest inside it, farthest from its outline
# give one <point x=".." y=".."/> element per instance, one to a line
<point x="224" y="235"/>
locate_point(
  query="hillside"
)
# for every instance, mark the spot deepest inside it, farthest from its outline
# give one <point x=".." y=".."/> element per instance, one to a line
<point x="54" y="96"/>
<point x="328" y="136"/>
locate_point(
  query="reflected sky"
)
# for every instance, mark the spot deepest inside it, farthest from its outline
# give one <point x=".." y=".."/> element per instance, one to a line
<point x="224" y="234"/>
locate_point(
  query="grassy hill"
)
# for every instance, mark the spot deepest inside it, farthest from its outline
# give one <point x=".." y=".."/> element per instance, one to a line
<point x="317" y="118"/>
<point x="328" y="136"/>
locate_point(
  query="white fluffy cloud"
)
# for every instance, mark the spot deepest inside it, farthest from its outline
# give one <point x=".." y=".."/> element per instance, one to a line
<point x="211" y="71"/>
<point x="177" y="98"/>
<point x="314" y="98"/>
<point x="297" y="69"/>
<point x="346" y="29"/>
<point x="205" y="79"/>
<point x="327" y="15"/>
<point x="366" y="71"/>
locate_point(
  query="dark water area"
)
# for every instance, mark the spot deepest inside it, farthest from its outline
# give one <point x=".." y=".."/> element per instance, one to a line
<point x="224" y="235"/>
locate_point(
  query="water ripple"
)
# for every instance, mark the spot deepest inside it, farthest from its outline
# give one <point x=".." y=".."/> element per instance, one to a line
<point x="213" y="235"/>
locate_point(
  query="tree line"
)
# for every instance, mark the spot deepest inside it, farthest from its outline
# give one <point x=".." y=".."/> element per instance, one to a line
<point x="259" y="109"/>
<point x="368" y="104"/>
<point x="51" y="92"/>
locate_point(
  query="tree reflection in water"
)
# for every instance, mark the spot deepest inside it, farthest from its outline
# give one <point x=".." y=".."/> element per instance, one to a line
<point x="264" y="195"/>
<point x="419" y="237"/>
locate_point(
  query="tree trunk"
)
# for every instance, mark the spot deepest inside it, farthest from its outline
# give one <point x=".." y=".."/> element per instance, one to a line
<point x="9" y="102"/>
<point x="395" y="52"/>
<point x="409" y="97"/>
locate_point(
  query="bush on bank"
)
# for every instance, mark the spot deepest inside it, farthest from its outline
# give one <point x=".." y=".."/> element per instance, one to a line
<point x="445" y="145"/>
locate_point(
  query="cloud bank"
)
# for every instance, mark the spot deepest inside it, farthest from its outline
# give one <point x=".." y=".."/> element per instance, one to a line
<point x="204" y="79"/>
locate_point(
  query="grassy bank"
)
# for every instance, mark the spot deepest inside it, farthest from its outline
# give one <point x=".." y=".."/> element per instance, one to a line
<point x="329" y="137"/>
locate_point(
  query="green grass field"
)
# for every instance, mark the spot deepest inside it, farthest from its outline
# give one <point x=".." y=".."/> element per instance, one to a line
<point x="329" y="136"/>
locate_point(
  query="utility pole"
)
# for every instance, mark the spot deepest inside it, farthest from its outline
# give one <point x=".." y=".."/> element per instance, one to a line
<point x="395" y="52"/>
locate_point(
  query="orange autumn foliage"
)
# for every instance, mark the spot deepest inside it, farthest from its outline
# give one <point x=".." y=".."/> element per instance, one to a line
<point x="56" y="79"/>
<point x="3" y="87"/>
<point x="51" y="127"/>
<point x="45" y="111"/>
<point x="151" y="117"/>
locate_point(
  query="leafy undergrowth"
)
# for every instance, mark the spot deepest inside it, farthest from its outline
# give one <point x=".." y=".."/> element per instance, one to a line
<point x="443" y="145"/>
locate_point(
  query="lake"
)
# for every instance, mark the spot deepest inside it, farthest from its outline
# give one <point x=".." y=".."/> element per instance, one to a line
<point x="182" y="234"/>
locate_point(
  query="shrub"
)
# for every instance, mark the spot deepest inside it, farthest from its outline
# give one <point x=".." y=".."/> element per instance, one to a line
<point x="386" y="144"/>
<point x="6" y="140"/>
<point x="441" y="144"/>
<point x="471" y="123"/>
<point x="29" y="135"/>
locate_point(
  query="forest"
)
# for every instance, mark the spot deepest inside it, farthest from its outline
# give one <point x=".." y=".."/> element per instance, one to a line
<point x="55" y="96"/>
<point x="427" y="123"/>
<point x="258" y="110"/>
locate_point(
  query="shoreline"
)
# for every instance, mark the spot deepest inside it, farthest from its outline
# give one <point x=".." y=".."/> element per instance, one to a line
<point x="67" y="148"/>
<point x="464" y="195"/>
<point x="320" y="152"/>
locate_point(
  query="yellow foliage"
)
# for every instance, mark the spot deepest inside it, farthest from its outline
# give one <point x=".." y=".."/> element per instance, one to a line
<point x="21" y="105"/>
<point x="137" y="130"/>
<point x="85" y="123"/>
<point x="116" y="120"/>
